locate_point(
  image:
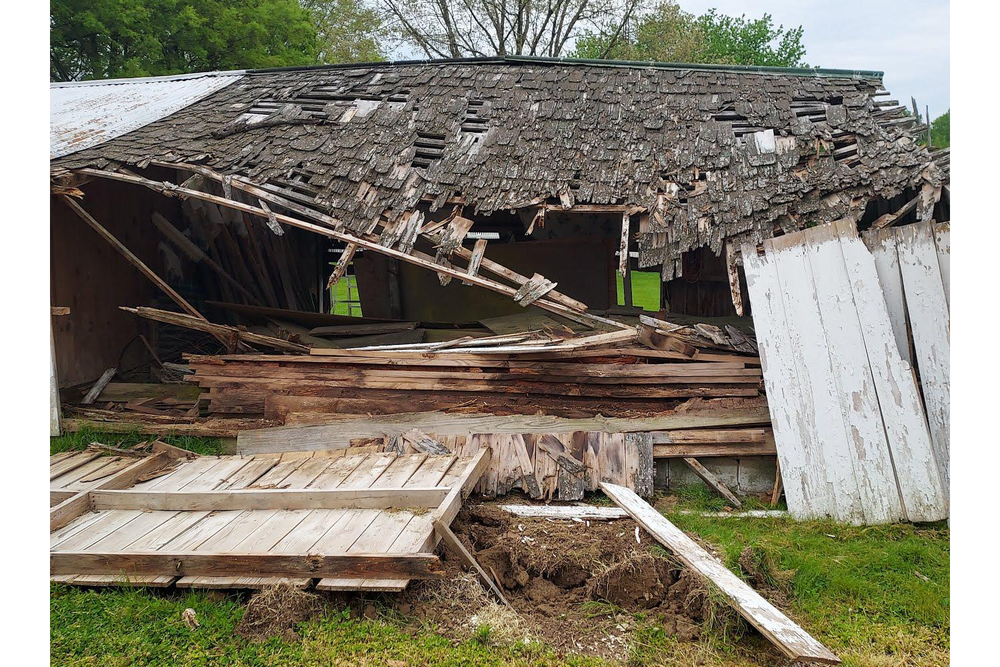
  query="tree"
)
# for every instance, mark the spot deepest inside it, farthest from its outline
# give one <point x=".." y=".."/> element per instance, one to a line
<point x="462" y="28"/>
<point x="348" y="32"/>
<point x="664" y="34"/>
<point x="97" y="39"/>
<point x="740" y="41"/>
<point x="668" y="34"/>
<point x="941" y="131"/>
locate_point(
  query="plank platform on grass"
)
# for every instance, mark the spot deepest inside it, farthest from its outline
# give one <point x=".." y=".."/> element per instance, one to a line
<point x="780" y="630"/>
<point x="355" y="519"/>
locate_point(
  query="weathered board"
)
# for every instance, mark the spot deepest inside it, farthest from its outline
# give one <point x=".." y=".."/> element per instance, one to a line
<point x="927" y="309"/>
<point x="52" y="382"/>
<point x="922" y="491"/>
<point x="340" y="431"/>
<point x="850" y="432"/>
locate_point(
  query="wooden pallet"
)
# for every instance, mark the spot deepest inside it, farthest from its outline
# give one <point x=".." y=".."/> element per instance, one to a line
<point x="344" y="521"/>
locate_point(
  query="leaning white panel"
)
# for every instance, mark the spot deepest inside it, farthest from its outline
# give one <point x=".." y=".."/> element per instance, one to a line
<point x="868" y="449"/>
<point x="927" y="309"/>
<point x="914" y="460"/>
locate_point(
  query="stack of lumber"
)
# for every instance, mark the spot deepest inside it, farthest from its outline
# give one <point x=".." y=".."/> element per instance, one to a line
<point x="605" y="373"/>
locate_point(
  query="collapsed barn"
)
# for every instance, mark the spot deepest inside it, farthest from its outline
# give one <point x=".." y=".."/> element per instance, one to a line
<point x="491" y="220"/>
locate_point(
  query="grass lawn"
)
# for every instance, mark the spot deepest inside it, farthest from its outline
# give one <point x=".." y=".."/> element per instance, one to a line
<point x="645" y="289"/>
<point x="339" y="297"/>
<point x="877" y="596"/>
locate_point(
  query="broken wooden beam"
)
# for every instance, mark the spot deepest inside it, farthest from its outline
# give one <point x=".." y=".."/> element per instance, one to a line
<point x="478" y="250"/>
<point x="453" y="543"/>
<point x="713" y="482"/>
<point x="340" y="270"/>
<point x="99" y="386"/>
<point x="230" y="336"/>
<point x="334" y="232"/>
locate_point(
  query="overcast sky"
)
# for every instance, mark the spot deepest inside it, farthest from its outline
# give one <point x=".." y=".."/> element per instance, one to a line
<point x="906" y="39"/>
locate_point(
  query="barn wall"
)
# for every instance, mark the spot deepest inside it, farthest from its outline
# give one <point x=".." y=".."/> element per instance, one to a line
<point x="703" y="289"/>
<point x="580" y="266"/>
<point x="90" y="277"/>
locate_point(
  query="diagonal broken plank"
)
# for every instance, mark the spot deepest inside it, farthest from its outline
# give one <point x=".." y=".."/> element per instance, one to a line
<point x="712" y="481"/>
<point x="453" y="543"/>
<point x="780" y="630"/>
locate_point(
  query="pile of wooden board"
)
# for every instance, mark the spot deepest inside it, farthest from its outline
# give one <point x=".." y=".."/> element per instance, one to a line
<point x="606" y="373"/>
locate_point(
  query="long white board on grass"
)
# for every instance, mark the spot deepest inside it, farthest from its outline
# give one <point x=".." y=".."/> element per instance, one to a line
<point x="780" y="630"/>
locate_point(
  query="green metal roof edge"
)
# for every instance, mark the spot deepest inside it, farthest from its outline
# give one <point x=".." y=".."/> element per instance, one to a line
<point x="635" y="64"/>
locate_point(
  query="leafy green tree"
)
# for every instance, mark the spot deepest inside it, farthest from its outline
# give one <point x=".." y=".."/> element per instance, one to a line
<point x="742" y="41"/>
<point x="348" y="31"/>
<point x="97" y="39"/>
<point x="667" y="33"/>
<point x="941" y="131"/>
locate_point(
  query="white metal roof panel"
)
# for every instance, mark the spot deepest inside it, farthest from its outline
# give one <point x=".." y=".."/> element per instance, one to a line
<point x="89" y="113"/>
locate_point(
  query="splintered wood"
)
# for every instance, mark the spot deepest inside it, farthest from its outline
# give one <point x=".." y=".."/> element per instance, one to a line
<point x="545" y="466"/>
<point x="352" y="521"/>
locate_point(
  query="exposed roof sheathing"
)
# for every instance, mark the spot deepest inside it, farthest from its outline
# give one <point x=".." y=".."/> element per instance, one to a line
<point x="708" y="153"/>
<point x="89" y="113"/>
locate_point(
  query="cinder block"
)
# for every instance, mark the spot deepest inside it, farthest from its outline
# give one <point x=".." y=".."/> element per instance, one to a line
<point x="756" y="474"/>
<point x="681" y="475"/>
<point x="661" y="479"/>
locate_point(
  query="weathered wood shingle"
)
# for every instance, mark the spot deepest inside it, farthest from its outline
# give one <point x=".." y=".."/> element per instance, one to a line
<point x="711" y="154"/>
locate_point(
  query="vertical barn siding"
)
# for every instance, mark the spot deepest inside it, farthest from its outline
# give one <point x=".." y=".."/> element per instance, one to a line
<point x="90" y="277"/>
<point x="848" y="423"/>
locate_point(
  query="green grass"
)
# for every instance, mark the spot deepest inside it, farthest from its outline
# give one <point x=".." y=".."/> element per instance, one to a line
<point x="860" y="589"/>
<point x="645" y="289"/>
<point x="119" y="628"/>
<point x="339" y="297"/>
<point x="82" y="438"/>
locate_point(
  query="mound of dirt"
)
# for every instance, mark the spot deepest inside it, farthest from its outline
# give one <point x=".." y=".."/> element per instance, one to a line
<point x="275" y="611"/>
<point x="570" y="581"/>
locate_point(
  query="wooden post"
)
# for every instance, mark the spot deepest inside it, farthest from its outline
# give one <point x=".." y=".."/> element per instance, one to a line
<point x="55" y="410"/>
